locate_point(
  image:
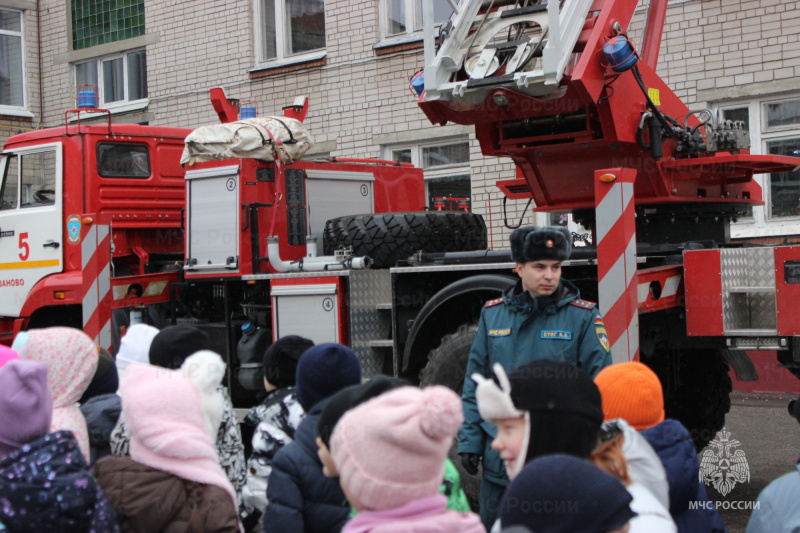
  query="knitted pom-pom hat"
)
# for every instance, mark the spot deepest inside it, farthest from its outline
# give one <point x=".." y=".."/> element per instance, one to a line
<point x="633" y="392"/>
<point x="391" y="450"/>
<point x="25" y="404"/>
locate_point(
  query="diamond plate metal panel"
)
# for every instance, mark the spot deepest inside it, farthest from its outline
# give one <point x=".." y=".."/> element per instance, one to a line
<point x="748" y="289"/>
<point x="370" y="299"/>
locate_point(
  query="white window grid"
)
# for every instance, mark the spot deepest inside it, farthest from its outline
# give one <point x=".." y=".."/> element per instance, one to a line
<point x="282" y="54"/>
<point x="435" y="172"/>
<point x="762" y="224"/>
<point x="23" y="81"/>
<point x="98" y="65"/>
<point x="413" y="17"/>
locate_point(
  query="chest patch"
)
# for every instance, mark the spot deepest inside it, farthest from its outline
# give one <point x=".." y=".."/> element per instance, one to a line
<point x="500" y="332"/>
<point x="560" y="335"/>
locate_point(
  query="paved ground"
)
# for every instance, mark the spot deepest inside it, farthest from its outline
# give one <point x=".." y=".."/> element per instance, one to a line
<point x="770" y="440"/>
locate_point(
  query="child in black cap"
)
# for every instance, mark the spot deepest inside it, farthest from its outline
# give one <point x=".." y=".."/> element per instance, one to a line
<point x="275" y="420"/>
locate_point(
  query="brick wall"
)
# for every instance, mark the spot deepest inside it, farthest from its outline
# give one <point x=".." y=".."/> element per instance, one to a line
<point x="360" y="97"/>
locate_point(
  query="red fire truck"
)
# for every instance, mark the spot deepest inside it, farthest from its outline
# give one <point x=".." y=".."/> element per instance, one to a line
<point x="100" y="225"/>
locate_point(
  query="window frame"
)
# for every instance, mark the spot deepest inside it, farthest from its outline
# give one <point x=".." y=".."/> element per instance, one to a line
<point x="763" y="223"/>
<point x="281" y="42"/>
<point x="118" y="105"/>
<point x="439" y="171"/>
<point x="413" y="10"/>
<point x="21" y="110"/>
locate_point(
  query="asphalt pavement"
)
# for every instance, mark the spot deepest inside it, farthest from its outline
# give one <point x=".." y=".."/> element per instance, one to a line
<point x="760" y="427"/>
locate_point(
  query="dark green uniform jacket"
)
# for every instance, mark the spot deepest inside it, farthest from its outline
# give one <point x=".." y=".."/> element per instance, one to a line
<point x="517" y="329"/>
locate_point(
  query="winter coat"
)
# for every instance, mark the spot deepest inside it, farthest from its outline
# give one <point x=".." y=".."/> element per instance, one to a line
<point x="777" y="510"/>
<point x="673" y="444"/>
<point x="229" y="443"/>
<point x="644" y="465"/>
<point x="275" y="420"/>
<point x="425" y="515"/>
<point x="46" y="486"/>
<point x="101" y="413"/>
<point x="451" y="488"/>
<point x="652" y="516"/>
<point x="300" y="498"/>
<point x="517" y="329"/>
<point x="147" y="500"/>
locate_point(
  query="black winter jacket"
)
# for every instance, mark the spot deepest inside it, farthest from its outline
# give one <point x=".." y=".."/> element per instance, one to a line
<point x="46" y="486"/>
<point x="300" y="498"/>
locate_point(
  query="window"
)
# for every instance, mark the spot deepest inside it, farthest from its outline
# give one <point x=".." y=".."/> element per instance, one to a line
<point x="97" y="22"/>
<point x="123" y="160"/>
<point x="774" y="126"/>
<point x="289" y="28"/>
<point x="29" y="181"/>
<point x="405" y="16"/>
<point x="447" y="172"/>
<point x="120" y="78"/>
<point x="12" y="86"/>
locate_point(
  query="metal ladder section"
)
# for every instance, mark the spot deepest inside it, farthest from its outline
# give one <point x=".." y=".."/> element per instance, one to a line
<point x="532" y="62"/>
<point x="370" y="303"/>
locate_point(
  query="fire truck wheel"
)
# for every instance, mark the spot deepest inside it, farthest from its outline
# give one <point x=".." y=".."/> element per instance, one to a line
<point x="389" y="237"/>
<point x="698" y="395"/>
<point x="447" y="365"/>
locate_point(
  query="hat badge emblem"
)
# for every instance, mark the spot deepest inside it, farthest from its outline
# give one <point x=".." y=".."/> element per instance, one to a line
<point x="549" y="243"/>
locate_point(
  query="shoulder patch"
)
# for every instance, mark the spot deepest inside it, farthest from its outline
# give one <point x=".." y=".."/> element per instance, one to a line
<point x="492" y="303"/>
<point x="585" y="304"/>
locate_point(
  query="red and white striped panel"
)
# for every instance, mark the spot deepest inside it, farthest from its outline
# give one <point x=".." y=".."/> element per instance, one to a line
<point x="616" y="260"/>
<point x="660" y="288"/>
<point x="96" y="300"/>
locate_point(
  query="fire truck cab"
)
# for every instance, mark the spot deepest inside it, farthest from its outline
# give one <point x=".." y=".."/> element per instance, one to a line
<point x="80" y="204"/>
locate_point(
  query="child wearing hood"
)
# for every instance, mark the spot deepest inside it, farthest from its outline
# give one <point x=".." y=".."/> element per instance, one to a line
<point x="173" y="480"/>
<point x="45" y="485"/>
<point x="170" y="349"/>
<point x="71" y="358"/>
<point x="390" y="453"/>
<point x="547" y="407"/>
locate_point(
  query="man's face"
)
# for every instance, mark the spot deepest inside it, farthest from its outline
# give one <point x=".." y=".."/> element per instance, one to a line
<point x="540" y="277"/>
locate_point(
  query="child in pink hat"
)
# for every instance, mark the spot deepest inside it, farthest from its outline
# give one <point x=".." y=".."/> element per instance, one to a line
<point x="390" y="453"/>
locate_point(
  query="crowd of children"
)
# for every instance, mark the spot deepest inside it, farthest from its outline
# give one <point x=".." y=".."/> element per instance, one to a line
<point x="149" y="443"/>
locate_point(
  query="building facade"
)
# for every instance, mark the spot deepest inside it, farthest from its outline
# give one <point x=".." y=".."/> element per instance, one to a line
<point x="155" y="61"/>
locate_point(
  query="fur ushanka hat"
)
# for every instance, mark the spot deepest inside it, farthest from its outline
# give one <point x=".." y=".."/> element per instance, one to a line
<point x="534" y="243"/>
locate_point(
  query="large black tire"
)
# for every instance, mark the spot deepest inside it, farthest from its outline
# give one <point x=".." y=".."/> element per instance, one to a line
<point x="697" y="390"/>
<point x="389" y="237"/>
<point x="447" y="365"/>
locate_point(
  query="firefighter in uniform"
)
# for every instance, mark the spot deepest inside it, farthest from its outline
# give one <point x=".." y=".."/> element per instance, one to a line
<point x="540" y="317"/>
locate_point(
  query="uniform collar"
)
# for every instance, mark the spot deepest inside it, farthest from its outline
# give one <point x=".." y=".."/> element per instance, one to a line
<point x="520" y="300"/>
